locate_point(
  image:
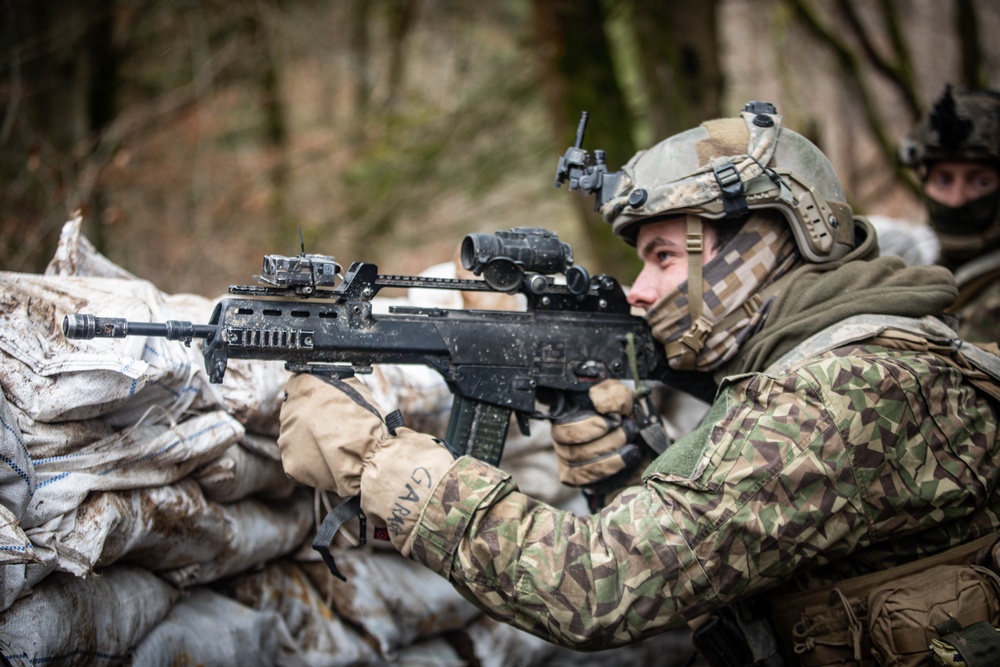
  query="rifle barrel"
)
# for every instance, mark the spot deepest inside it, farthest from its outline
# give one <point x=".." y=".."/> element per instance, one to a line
<point x="86" y="327"/>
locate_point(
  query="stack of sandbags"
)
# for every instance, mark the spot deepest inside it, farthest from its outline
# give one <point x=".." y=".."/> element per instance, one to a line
<point x="145" y="518"/>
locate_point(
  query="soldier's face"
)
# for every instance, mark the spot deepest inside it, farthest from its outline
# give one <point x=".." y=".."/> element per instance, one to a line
<point x="955" y="183"/>
<point x="662" y="249"/>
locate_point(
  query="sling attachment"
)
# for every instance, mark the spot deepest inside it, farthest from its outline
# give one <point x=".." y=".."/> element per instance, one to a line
<point x="331" y="525"/>
<point x="351" y="507"/>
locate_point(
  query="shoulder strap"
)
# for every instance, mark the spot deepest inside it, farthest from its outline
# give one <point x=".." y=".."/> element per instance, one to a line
<point x="862" y="327"/>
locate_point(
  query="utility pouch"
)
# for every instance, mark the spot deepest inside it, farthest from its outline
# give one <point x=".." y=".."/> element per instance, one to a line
<point x="888" y="618"/>
<point x="907" y="615"/>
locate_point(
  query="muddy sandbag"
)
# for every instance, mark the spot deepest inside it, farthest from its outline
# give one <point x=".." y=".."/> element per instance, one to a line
<point x="434" y="652"/>
<point x="17" y="473"/>
<point x="16" y="553"/>
<point x="52" y="378"/>
<point x="76" y="256"/>
<point x="391" y="598"/>
<point x="319" y="636"/>
<point x="240" y="473"/>
<point x="45" y="440"/>
<point x="72" y="621"/>
<point x="148" y="455"/>
<point x="260" y="531"/>
<point x="206" y="628"/>
<point x="175" y="531"/>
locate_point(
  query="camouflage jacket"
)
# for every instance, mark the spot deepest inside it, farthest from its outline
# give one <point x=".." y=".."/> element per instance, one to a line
<point x="978" y="304"/>
<point x="864" y="450"/>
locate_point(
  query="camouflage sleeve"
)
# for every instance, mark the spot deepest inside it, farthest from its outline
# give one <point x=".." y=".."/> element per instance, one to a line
<point x="979" y="319"/>
<point x="797" y="470"/>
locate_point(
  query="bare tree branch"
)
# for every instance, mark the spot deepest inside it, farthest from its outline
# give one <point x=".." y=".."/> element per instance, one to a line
<point x="851" y="69"/>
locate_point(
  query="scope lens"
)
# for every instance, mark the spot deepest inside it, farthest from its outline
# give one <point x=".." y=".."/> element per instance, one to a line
<point x="477" y="250"/>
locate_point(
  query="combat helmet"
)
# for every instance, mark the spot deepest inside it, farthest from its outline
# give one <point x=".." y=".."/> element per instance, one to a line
<point x="730" y="170"/>
<point x="962" y="125"/>
<point x="726" y="168"/>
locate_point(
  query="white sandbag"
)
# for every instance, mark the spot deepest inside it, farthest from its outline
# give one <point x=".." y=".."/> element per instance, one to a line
<point x="259" y="532"/>
<point x="319" y="637"/>
<point x="148" y="455"/>
<point x="240" y="473"/>
<point x="45" y="440"/>
<point x="17" y="473"/>
<point x="434" y="652"/>
<point x="262" y="445"/>
<point x="15" y="547"/>
<point x="161" y="527"/>
<point x="73" y="621"/>
<point x="497" y="644"/>
<point x="206" y="628"/>
<point x="251" y="389"/>
<point x="77" y="256"/>
<point x="175" y="531"/>
<point x="25" y="565"/>
<point x="52" y="378"/>
<point x="16" y="551"/>
<point x="13" y="585"/>
<point x="391" y="598"/>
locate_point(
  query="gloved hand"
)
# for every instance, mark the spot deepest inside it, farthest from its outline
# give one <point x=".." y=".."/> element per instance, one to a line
<point x="334" y="436"/>
<point x="595" y="449"/>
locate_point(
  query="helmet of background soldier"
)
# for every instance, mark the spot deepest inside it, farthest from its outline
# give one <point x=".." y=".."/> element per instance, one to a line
<point x="726" y="168"/>
<point x="962" y="125"/>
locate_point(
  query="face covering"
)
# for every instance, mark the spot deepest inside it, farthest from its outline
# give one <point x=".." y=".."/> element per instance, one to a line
<point x="732" y="306"/>
<point x="964" y="231"/>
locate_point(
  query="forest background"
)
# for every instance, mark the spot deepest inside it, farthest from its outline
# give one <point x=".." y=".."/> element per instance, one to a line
<point x="196" y="136"/>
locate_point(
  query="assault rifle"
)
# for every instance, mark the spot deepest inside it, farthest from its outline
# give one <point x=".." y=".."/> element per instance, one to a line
<point x="538" y="363"/>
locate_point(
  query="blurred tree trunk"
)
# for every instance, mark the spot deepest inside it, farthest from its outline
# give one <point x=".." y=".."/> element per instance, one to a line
<point x="578" y="75"/>
<point x="62" y="56"/>
<point x="896" y="67"/>
<point x="400" y="16"/>
<point x="357" y="55"/>
<point x="275" y="122"/>
<point x="973" y="63"/>
<point x="678" y="52"/>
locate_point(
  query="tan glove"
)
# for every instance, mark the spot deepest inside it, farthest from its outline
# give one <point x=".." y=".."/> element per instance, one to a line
<point x="334" y="436"/>
<point x="593" y="447"/>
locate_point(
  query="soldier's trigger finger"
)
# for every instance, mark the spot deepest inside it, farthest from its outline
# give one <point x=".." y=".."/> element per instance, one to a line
<point x="611" y="396"/>
<point x="587" y="427"/>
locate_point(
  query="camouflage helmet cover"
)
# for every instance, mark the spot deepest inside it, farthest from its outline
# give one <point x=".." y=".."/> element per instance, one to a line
<point x="961" y="126"/>
<point x="727" y="167"/>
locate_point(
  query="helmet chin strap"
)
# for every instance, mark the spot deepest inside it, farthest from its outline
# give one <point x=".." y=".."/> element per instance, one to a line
<point x="691" y="343"/>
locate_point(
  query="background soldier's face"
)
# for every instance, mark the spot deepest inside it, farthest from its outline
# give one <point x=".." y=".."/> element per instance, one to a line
<point x="954" y="183"/>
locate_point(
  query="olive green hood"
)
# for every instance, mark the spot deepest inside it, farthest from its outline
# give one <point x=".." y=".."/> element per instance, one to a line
<point x="815" y="296"/>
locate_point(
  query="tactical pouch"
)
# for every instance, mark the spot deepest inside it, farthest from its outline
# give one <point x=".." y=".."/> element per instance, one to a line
<point x="888" y="618"/>
<point x="906" y="615"/>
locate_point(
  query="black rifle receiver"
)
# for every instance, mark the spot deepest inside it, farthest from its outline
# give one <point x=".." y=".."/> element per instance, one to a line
<point x="537" y="363"/>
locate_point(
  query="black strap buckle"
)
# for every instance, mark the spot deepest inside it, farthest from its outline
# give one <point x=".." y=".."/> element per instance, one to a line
<point x="733" y="198"/>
